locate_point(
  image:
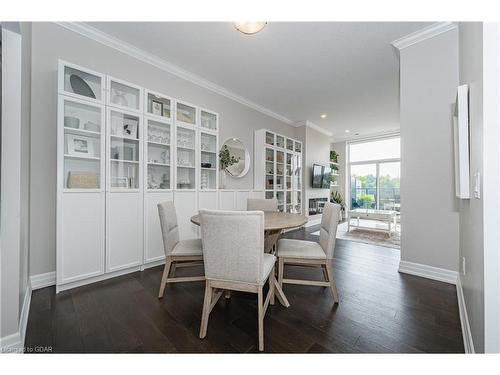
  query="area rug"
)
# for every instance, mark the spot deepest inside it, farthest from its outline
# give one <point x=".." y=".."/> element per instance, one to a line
<point x="368" y="236"/>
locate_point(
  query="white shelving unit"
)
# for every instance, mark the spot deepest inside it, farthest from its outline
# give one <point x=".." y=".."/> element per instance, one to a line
<point x="278" y="169"/>
<point x="122" y="149"/>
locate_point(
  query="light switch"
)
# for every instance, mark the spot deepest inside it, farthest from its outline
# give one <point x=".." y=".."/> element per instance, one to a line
<point x="477" y="185"/>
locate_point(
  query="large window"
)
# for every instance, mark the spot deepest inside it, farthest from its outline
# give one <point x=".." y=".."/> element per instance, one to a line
<point x="374" y="168"/>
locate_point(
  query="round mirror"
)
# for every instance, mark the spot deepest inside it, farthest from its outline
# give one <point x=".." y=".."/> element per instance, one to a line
<point x="234" y="158"/>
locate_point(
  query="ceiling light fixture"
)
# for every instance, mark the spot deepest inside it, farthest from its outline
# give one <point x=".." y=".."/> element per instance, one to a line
<point x="347" y="130"/>
<point x="249" y="28"/>
<point x="323" y="115"/>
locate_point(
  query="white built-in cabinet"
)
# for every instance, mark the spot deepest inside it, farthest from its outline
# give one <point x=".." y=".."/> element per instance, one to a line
<point x="122" y="149"/>
<point x="278" y="169"/>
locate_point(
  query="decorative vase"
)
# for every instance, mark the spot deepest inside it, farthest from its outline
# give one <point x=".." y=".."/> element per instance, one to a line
<point x="222" y="179"/>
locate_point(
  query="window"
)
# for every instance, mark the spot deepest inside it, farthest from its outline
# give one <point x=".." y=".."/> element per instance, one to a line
<point x="374" y="168"/>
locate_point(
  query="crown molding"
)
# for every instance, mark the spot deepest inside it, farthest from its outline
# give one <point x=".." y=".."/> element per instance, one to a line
<point x="312" y="125"/>
<point x="124" y="47"/>
<point x="352" y="138"/>
<point x="423" y="34"/>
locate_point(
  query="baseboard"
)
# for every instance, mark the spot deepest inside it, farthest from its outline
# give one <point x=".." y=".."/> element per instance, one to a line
<point x="429" y="272"/>
<point x="464" y="320"/>
<point x="14" y="343"/>
<point x="43" y="280"/>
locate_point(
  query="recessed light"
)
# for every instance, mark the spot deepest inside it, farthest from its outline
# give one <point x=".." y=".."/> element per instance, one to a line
<point x="249" y="28"/>
<point x="323" y="115"/>
<point x="347" y="130"/>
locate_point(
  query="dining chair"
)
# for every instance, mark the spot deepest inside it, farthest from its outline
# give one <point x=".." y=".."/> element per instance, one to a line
<point x="254" y="204"/>
<point x="234" y="259"/>
<point x="312" y="254"/>
<point x="178" y="253"/>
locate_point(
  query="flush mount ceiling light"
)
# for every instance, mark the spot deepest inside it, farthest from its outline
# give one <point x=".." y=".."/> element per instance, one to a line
<point x="347" y="130"/>
<point x="323" y="115"/>
<point x="249" y="27"/>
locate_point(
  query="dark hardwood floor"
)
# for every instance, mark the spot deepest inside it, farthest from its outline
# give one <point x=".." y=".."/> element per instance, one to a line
<point x="380" y="311"/>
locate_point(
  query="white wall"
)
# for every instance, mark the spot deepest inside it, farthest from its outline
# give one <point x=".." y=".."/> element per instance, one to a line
<point x="16" y="68"/>
<point x="316" y="150"/>
<point x="471" y="210"/>
<point x="52" y="42"/>
<point x="429" y="210"/>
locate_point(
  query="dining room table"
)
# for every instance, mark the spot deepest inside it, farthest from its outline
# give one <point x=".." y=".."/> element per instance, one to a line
<point x="274" y="224"/>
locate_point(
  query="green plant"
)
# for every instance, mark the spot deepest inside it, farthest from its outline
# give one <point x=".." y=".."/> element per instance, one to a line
<point x="337" y="198"/>
<point x="367" y="199"/>
<point x="334" y="157"/>
<point x="226" y="159"/>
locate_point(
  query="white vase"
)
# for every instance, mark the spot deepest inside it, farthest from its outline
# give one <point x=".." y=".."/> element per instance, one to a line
<point x="222" y="179"/>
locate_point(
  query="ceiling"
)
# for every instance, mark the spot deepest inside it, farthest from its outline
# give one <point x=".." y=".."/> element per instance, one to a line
<point x="299" y="70"/>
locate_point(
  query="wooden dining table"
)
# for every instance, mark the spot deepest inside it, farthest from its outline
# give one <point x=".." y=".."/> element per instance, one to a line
<point x="274" y="224"/>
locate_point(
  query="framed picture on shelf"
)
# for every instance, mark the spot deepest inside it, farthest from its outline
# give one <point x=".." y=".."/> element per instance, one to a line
<point x="80" y="146"/>
<point x="156" y="108"/>
<point x="130" y="128"/>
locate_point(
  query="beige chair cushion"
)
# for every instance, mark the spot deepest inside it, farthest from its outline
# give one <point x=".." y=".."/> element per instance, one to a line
<point x="267" y="266"/>
<point x="300" y="249"/>
<point x="188" y="247"/>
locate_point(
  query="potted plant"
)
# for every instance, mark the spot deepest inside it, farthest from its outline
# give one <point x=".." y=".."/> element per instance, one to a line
<point x="225" y="161"/>
<point x="337" y="198"/>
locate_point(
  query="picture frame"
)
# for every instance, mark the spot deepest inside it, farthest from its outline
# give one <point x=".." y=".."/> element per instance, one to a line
<point x="80" y="146"/>
<point x="156" y="108"/>
<point x="130" y="127"/>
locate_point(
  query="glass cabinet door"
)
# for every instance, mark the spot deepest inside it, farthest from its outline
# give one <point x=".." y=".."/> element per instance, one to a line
<point x="158" y="155"/>
<point x="124" y="149"/>
<point x="270" y="169"/>
<point x="289" y="144"/>
<point x="80" y="82"/>
<point x="186" y="158"/>
<point x="124" y="95"/>
<point x="186" y="114"/>
<point x="269" y="139"/>
<point x="158" y="105"/>
<point x="298" y="146"/>
<point x="82" y="129"/>
<point x="280" y="141"/>
<point x="208" y="120"/>
<point x="208" y="161"/>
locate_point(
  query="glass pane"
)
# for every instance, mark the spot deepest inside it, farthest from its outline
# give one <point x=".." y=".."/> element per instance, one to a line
<point x="208" y="179"/>
<point x="389" y="184"/>
<point x="269" y="155"/>
<point x="364" y="186"/>
<point x="186" y="169"/>
<point x="124" y="126"/>
<point x="375" y="150"/>
<point x="159" y="106"/>
<point x="280" y="157"/>
<point x="270" y="138"/>
<point x="186" y="113"/>
<point x="82" y="146"/>
<point x="279" y="183"/>
<point x="280" y="198"/>
<point x="124" y="95"/>
<point x="269" y="195"/>
<point x="297" y="172"/>
<point x="289" y="144"/>
<point x="298" y="147"/>
<point x="158" y="155"/>
<point x="208" y="120"/>
<point x="280" y="141"/>
<point x="208" y="143"/>
<point x="81" y="83"/>
<point x="124" y="174"/>
<point x="269" y="182"/>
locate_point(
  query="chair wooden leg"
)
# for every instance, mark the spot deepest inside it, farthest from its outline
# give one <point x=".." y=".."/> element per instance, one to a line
<point x="281" y="266"/>
<point x="206" y="309"/>
<point x="260" y="303"/>
<point x="227" y="294"/>
<point x="172" y="269"/>
<point x="333" y="286"/>
<point x="325" y="273"/>
<point x="271" y="286"/>
<point x="164" y="278"/>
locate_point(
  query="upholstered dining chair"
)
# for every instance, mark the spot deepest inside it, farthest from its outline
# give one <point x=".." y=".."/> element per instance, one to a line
<point x="262" y="204"/>
<point x="307" y="253"/>
<point x="234" y="259"/>
<point x="180" y="253"/>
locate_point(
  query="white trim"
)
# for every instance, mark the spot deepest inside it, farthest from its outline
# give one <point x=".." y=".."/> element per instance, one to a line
<point x="14" y="343"/>
<point x="373" y="137"/>
<point x="423" y="34"/>
<point x="429" y="272"/>
<point x="312" y="125"/>
<point x="464" y="320"/>
<point x="43" y="280"/>
<point x="119" y="45"/>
